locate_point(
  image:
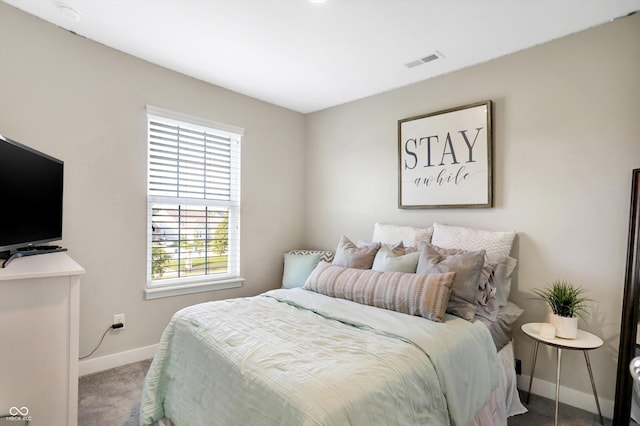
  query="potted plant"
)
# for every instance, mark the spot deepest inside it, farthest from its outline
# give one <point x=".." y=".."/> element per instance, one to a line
<point x="567" y="304"/>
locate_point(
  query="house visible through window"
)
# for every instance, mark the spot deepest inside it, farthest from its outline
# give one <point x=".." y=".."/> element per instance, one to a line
<point x="193" y="201"/>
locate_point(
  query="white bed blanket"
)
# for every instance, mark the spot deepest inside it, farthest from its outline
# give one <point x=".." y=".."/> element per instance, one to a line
<point x="294" y="357"/>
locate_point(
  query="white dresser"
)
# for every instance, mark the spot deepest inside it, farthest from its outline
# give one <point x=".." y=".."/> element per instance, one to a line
<point x="39" y="299"/>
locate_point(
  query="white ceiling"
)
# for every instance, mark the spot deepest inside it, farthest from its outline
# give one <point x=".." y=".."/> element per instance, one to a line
<point x="307" y="56"/>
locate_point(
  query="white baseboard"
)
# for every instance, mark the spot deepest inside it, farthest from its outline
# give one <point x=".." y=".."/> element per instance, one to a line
<point x="89" y="366"/>
<point x="568" y="396"/>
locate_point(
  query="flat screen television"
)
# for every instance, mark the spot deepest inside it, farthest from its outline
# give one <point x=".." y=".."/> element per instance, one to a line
<point x="31" y="184"/>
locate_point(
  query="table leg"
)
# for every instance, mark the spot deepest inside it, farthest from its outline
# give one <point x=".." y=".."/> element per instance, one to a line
<point x="558" y="384"/>
<point x="593" y="385"/>
<point x="533" y="368"/>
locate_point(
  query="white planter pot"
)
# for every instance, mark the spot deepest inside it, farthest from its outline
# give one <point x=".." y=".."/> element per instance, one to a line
<point x="566" y="328"/>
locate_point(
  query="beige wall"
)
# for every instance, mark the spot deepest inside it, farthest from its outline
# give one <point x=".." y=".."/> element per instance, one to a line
<point x="85" y="103"/>
<point x="566" y="139"/>
<point x="566" y="132"/>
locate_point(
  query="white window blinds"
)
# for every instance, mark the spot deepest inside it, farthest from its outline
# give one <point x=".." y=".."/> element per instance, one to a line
<point x="193" y="199"/>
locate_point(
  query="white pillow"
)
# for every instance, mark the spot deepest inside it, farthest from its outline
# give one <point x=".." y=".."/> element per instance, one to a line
<point x="393" y="234"/>
<point x="495" y="243"/>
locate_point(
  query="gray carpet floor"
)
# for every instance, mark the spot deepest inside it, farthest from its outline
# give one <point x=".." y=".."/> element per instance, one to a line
<point x="542" y="413"/>
<point x="112" y="398"/>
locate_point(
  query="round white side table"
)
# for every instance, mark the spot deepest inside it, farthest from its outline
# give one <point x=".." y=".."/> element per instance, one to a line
<point x="583" y="342"/>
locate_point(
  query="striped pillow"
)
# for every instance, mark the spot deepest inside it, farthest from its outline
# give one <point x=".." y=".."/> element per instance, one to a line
<point x="413" y="294"/>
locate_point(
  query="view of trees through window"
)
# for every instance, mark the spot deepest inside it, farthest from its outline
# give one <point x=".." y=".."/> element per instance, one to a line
<point x="188" y="241"/>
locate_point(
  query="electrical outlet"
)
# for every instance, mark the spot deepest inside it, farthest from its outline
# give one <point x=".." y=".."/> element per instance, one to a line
<point x="119" y="319"/>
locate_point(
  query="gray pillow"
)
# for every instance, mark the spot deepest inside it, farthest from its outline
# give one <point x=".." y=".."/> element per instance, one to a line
<point x="468" y="267"/>
<point x="502" y="328"/>
<point x="486" y="293"/>
<point x="505" y="266"/>
<point x="349" y="255"/>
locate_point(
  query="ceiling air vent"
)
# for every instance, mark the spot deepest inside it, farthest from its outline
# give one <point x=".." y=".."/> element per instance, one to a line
<point x="424" y="60"/>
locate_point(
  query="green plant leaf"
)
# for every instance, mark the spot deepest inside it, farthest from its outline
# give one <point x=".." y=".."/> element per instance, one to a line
<point x="565" y="299"/>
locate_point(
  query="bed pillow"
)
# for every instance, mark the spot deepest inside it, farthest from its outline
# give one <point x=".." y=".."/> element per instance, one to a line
<point x="468" y="266"/>
<point x="412" y="294"/>
<point x="350" y="255"/>
<point x="389" y="259"/>
<point x="486" y="292"/>
<point x="496" y="243"/>
<point x="397" y="249"/>
<point x="298" y="264"/>
<point x="391" y="234"/>
<point x="502" y="328"/>
<point x="505" y="266"/>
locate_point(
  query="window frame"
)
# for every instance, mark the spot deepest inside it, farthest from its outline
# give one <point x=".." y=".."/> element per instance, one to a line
<point x="199" y="283"/>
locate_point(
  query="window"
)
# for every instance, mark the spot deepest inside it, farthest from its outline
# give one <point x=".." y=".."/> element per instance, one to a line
<point x="193" y="196"/>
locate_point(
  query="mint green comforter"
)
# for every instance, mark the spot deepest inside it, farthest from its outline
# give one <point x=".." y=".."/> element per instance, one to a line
<point x="294" y="357"/>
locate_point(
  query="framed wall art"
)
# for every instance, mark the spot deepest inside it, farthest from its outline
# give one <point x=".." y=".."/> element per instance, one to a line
<point x="445" y="159"/>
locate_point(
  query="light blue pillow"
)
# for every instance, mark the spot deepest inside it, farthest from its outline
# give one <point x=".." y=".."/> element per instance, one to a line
<point x="387" y="260"/>
<point x="298" y="267"/>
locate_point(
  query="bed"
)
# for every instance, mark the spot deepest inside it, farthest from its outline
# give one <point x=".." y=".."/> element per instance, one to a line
<point x="341" y="349"/>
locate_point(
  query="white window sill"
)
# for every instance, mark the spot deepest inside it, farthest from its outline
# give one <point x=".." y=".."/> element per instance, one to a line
<point x="157" y="292"/>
